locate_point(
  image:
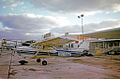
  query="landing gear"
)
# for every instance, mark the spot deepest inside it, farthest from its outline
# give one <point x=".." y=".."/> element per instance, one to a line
<point x="23" y="62"/>
<point x="38" y="60"/>
<point x="44" y="62"/>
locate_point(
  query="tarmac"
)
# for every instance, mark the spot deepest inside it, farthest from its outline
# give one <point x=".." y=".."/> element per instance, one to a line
<point x="57" y="68"/>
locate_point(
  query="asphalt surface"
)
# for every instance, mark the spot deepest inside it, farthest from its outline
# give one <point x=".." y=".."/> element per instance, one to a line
<point x="57" y="68"/>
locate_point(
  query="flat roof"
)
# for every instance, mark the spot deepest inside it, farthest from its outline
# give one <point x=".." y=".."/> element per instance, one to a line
<point x="107" y="40"/>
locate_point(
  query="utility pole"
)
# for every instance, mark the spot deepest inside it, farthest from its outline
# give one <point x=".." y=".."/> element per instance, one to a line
<point x="81" y="17"/>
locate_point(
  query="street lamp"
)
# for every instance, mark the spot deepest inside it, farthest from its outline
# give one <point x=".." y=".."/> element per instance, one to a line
<point x="81" y="16"/>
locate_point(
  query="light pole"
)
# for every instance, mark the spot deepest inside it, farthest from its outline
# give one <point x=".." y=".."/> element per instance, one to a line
<point x="81" y="16"/>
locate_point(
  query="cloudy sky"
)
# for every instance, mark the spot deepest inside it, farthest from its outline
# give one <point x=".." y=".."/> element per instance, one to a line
<point x="30" y="19"/>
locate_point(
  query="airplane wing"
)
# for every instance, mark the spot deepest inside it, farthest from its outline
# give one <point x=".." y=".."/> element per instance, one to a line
<point x="54" y="42"/>
<point x="107" y="34"/>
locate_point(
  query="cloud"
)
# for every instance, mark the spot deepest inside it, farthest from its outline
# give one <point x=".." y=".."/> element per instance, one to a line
<point x="11" y="3"/>
<point x="103" y="25"/>
<point x="16" y="4"/>
<point x="77" y="5"/>
<point x="13" y="35"/>
<point x="26" y="22"/>
<point x="92" y="27"/>
<point x="71" y="29"/>
<point x="30" y="25"/>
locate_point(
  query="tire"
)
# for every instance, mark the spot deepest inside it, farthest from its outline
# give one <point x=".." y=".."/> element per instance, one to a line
<point x="23" y="62"/>
<point x="38" y="60"/>
<point x="44" y="62"/>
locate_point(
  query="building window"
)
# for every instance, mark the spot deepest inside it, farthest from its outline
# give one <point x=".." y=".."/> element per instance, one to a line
<point x="116" y="43"/>
<point x="110" y="44"/>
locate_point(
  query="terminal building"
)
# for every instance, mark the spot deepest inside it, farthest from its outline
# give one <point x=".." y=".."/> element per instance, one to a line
<point x="104" y="45"/>
<point x="109" y="40"/>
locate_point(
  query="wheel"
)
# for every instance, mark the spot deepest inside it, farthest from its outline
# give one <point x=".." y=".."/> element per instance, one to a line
<point x="23" y="62"/>
<point x="38" y="60"/>
<point x="44" y="62"/>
